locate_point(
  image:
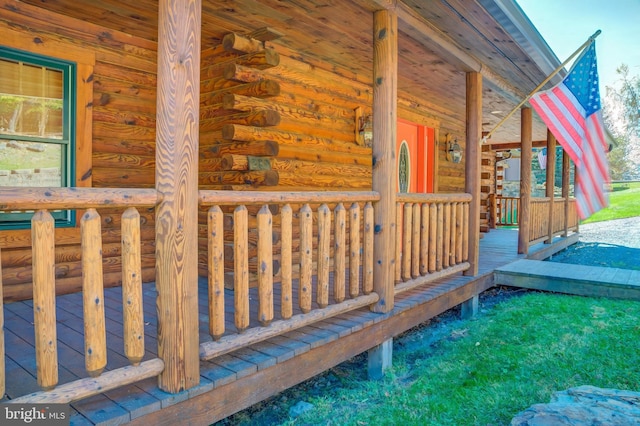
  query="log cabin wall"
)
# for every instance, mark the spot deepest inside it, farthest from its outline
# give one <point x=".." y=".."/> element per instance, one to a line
<point x="487" y="187"/>
<point x="121" y="150"/>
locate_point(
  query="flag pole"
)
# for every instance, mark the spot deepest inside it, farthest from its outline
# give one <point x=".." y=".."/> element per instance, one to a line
<point x="545" y="81"/>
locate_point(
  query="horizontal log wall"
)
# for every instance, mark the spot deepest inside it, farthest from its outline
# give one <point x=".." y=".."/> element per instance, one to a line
<point x="487" y="187"/>
<point x="122" y="151"/>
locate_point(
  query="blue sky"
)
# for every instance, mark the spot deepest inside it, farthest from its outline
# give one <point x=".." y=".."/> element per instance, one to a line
<point x="566" y="24"/>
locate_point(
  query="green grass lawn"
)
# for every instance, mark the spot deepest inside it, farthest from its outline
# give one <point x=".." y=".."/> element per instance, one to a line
<point x="484" y="371"/>
<point x="623" y="202"/>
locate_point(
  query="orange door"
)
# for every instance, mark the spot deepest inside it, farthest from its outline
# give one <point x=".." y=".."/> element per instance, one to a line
<point x="415" y="157"/>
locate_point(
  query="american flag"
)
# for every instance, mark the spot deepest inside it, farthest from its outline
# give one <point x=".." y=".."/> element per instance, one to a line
<point x="572" y="111"/>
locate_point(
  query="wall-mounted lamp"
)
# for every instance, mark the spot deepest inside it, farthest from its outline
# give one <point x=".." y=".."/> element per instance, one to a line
<point x="363" y="127"/>
<point x="453" y="150"/>
<point x="366" y="130"/>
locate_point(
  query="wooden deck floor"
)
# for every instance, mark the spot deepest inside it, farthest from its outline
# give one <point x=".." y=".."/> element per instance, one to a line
<point x="264" y="368"/>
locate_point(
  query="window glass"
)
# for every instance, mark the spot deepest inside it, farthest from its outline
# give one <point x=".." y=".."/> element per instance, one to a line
<point x="36" y="131"/>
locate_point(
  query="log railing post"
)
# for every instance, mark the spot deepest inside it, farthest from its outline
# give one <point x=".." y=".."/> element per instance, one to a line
<point x="265" y="266"/>
<point x="525" y="180"/>
<point x="286" y="227"/>
<point x="177" y="130"/>
<point x="354" y="248"/>
<point x="473" y="157"/>
<point x="44" y="299"/>
<point x="551" y="178"/>
<point x="340" y="251"/>
<point x="215" y="244"/>
<point x="95" y="333"/>
<point x="132" y="311"/>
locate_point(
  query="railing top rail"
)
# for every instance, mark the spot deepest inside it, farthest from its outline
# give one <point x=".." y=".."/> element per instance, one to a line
<point x="433" y="198"/>
<point x="211" y="197"/>
<point x="22" y="198"/>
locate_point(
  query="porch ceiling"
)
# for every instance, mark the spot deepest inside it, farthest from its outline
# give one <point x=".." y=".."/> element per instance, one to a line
<point x="493" y="34"/>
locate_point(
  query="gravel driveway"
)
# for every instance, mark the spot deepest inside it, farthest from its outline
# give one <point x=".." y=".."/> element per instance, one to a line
<point x="613" y="243"/>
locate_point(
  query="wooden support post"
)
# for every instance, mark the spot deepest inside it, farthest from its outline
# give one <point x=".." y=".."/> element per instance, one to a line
<point x="306" y="258"/>
<point x="551" y="178"/>
<point x="473" y="158"/>
<point x="44" y="299"/>
<point x="367" y="255"/>
<point x="354" y="248"/>
<point x="379" y="359"/>
<point x="132" y="311"/>
<point x="95" y="332"/>
<point x="340" y="251"/>
<point x="241" y="267"/>
<point x="215" y="275"/>
<point x="177" y="131"/>
<point x="286" y="228"/>
<point x="324" y="255"/>
<point x="265" y="266"/>
<point x="525" y="180"/>
<point x="385" y="95"/>
<point x="566" y="169"/>
<point x="469" y="308"/>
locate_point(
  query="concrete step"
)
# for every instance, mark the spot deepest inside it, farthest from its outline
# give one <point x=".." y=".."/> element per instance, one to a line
<point x="571" y="279"/>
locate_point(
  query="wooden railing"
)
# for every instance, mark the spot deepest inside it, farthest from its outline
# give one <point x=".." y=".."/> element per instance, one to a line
<point x="42" y="201"/>
<point x="314" y="234"/>
<point x="432" y="237"/>
<point x="539" y="219"/>
<point x="507" y="210"/>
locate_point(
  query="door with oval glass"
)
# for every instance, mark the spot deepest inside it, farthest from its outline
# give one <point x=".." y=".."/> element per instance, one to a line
<point x="415" y="157"/>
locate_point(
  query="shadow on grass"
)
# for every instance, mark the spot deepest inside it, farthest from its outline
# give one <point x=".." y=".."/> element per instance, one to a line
<point x="600" y="254"/>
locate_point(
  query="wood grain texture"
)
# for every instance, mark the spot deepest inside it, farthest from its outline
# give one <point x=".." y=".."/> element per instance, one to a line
<point x="526" y="154"/>
<point x="179" y="29"/>
<point x="385" y="89"/>
<point x="215" y="270"/>
<point x="132" y="309"/>
<point x="324" y="256"/>
<point x="473" y="155"/>
<point x="95" y="339"/>
<point x="306" y="258"/>
<point x="44" y="296"/>
<point x="265" y="266"/>
<point x="241" y="269"/>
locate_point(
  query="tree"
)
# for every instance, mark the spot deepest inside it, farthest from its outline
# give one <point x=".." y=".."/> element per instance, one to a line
<point x="622" y="116"/>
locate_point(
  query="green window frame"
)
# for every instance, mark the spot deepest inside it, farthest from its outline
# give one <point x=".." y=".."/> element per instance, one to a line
<point x="66" y="143"/>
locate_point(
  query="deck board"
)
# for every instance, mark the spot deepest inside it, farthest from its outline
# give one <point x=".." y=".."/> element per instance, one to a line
<point x="128" y="403"/>
<point x="581" y="280"/>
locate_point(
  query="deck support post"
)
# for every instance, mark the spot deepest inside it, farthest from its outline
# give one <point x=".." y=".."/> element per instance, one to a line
<point x="526" y="146"/>
<point x="566" y="170"/>
<point x="177" y="129"/>
<point x="379" y="359"/>
<point x="551" y="179"/>
<point x="385" y="95"/>
<point x="469" y="308"/>
<point x="473" y="160"/>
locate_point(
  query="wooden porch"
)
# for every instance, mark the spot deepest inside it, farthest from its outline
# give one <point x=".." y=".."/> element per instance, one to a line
<point x="247" y="375"/>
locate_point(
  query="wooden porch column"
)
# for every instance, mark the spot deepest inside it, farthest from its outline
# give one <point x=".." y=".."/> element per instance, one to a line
<point x="551" y="177"/>
<point x="526" y="146"/>
<point x="473" y="165"/>
<point x="177" y="128"/>
<point x="385" y="95"/>
<point x="566" y="169"/>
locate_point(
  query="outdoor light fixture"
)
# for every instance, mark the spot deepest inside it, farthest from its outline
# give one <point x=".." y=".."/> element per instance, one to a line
<point x="454" y="152"/>
<point x="366" y="130"/>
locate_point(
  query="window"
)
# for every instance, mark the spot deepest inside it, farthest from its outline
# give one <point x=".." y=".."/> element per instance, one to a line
<point x="37" y="133"/>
